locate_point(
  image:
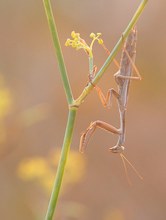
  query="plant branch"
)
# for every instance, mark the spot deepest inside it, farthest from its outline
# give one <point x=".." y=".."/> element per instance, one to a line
<point x="62" y="67"/>
<point x="62" y="163"/>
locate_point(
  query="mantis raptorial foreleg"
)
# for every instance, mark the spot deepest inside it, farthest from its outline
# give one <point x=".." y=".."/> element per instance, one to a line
<point x="91" y="129"/>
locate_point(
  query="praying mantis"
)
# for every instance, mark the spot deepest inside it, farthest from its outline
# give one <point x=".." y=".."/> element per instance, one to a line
<point x="122" y="78"/>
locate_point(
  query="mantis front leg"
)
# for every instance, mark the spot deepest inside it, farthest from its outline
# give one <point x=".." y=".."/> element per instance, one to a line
<point x="85" y="137"/>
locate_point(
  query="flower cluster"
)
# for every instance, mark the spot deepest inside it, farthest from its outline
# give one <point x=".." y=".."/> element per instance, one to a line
<point x="78" y="43"/>
<point x="42" y="169"/>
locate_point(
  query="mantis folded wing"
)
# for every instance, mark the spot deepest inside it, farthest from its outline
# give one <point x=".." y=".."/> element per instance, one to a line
<point x="122" y="78"/>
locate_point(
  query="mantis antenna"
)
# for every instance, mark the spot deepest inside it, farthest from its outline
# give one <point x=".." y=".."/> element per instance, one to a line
<point x="125" y="168"/>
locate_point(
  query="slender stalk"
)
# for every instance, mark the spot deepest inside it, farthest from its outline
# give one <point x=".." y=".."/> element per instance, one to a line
<point x="113" y="53"/>
<point x="62" y="67"/>
<point x="71" y="116"/>
<point x="62" y="163"/>
<point x="90" y="68"/>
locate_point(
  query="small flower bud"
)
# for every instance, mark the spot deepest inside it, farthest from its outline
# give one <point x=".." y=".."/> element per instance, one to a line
<point x="92" y="35"/>
<point x="98" y="34"/>
<point x="67" y="43"/>
<point x="73" y="34"/>
<point x="100" y="41"/>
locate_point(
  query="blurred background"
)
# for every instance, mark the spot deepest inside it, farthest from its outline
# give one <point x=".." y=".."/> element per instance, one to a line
<point x="33" y="113"/>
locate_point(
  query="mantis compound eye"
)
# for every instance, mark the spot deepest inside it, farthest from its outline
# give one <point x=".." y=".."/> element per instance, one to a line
<point x="116" y="149"/>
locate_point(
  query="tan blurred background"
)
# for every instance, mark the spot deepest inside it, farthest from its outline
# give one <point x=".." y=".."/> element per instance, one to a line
<point x="34" y="111"/>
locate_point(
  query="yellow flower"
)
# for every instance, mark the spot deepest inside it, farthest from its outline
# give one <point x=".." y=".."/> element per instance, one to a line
<point x="43" y="169"/>
<point x="32" y="168"/>
<point x="5" y="107"/>
<point x="5" y="99"/>
<point x="78" y="43"/>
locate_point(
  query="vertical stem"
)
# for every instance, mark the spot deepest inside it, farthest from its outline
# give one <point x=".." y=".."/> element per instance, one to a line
<point x="62" y="163"/>
<point x="90" y="68"/>
<point x="71" y="116"/>
<point x="62" y="67"/>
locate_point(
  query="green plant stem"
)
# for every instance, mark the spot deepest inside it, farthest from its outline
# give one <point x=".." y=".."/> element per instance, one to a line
<point x="62" y="67"/>
<point x="112" y="55"/>
<point x="62" y="163"/>
<point x="90" y="67"/>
